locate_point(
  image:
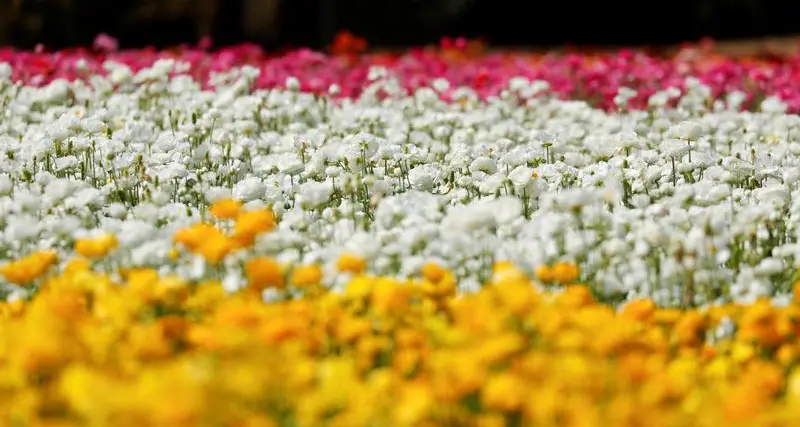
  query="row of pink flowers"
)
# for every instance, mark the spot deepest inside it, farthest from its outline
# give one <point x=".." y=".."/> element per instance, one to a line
<point x="592" y="77"/>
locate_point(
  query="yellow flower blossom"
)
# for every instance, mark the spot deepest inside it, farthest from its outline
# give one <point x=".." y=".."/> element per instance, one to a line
<point x="263" y="273"/>
<point x="159" y="350"/>
<point x="216" y="248"/>
<point x="251" y="224"/>
<point x="307" y="275"/>
<point x="193" y="237"/>
<point x="350" y="263"/>
<point x="25" y="270"/>
<point x="226" y="209"/>
<point x="640" y="310"/>
<point x="97" y="247"/>
<point x="545" y="274"/>
<point x="433" y="272"/>
<point x="565" y="273"/>
<point x="503" y="392"/>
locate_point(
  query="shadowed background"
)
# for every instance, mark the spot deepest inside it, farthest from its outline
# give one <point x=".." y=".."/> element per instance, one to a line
<point x="391" y="23"/>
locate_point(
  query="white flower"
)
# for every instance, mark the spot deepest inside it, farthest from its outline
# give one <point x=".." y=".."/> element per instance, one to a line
<point x="6" y="185"/>
<point x="66" y="162"/>
<point x="215" y="194"/>
<point x="292" y="83"/>
<point x="117" y="210"/>
<point x="250" y="188"/>
<point x="469" y="219"/>
<point x="521" y="177"/>
<point x="506" y="209"/>
<point x="675" y="148"/>
<point x="687" y="130"/>
<point x="769" y="267"/>
<point x="314" y="195"/>
<point x="483" y="164"/>
<point x="5" y="71"/>
<point x="491" y="184"/>
<point x="423" y="177"/>
<point x="773" y="105"/>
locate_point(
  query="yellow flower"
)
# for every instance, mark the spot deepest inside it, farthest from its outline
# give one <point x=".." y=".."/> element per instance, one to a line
<point x="499" y="348"/>
<point x="576" y="296"/>
<point x="433" y="272"/>
<point x="690" y="329"/>
<point x="252" y="223"/>
<point x="389" y="296"/>
<point x="507" y="272"/>
<point x="350" y="328"/>
<point x="171" y="290"/>
<point x="793" y="385"/>
<point x="216" y="248"/>
<point x="258" y="421"/>
<point x="350" y="263"/>
<point x="414" y="403"/>
<point x="263" y="273"/>
<point x="762" y="323"/>
<point x="195" y="236"/>
<point x="91" y="393"/>
<point x="742" y="404"/>
<point x="149" y="343"/>
<point x="545" y="274"/>
<point x="226" y="209"/>
<point x="206" y="297"/>
<point x="490" y="420"/>
<point x="742" y="352"/>
<point x="565" y="273"/>
<point x="787" y="354"/>
<point x="640" y="310"/>
<point x="97" y="247"/>
<point x="455" y="374"/>
<point x="25" y="270"/>
<point x="76" y="265"/>
<point x="517" y="296"/>
<point x="307" y="275"/>
<point x="503" y="392"/>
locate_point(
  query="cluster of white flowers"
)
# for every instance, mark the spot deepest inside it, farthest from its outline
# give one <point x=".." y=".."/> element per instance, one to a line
<point x="701" y="198"/>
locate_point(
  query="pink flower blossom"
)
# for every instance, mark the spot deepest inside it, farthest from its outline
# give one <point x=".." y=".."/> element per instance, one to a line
<point x="595" y="78"/>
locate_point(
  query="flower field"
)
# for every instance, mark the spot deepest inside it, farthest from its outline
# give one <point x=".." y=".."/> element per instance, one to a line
<point x="441" y="237"/>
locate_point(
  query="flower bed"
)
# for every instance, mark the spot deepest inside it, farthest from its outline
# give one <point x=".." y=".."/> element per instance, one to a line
<point x="144" y="350"/>
<point x="257" y="245"/>
<point x="595" y="78"/>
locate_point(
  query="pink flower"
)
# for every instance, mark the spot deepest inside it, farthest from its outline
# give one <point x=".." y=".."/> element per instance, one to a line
<point x="105" y="43"/>
<point x="595" y="78"/>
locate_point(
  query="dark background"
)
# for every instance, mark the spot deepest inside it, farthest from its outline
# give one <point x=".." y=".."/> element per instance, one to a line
<point x="391" y="23"/>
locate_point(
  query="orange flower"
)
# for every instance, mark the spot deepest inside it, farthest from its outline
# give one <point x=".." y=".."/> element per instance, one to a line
<point x="194" y="236"/>
<point x="545" y="274"/>
<point x="226" y="209"/>
<point x="565" y="273"/>
<point x="27" y="269"/>
<point x="762" y="323"/>
<point x="216" y="248"/>
<point x="433" y="272"/>
<point x="264" y="272"/>
<point x="690" y="329"/>
<point x="503" y="392"/>
<point x="576" y="296"/>
<point x="640" y="310"/>
<point x="97" y="247"/>
<point x="350" y="263"/>
<point x="306" y="276"/>
<point x="251" y="224"/>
